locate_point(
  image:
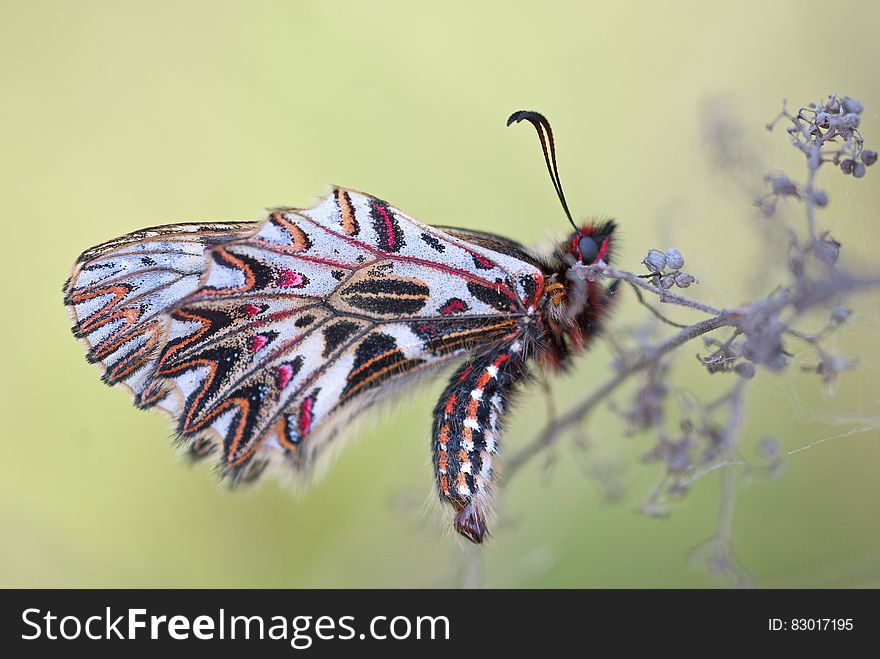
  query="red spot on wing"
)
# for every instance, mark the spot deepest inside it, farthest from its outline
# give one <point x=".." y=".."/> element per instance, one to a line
<point x="258" y="342"/>
<point x="483" y="262"/>
<point x="283" y="375"/>
<point x="250" y="310"/>
<point x="290" y="278"/>
<point x="305" y="417"/>
<point x="538" y="278"/>
<point x="453" y="306"/>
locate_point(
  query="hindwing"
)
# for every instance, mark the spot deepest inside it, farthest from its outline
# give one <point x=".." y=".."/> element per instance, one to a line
<point x="119" y="293"/>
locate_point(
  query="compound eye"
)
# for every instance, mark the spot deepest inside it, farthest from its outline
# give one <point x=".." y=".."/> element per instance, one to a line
<point x="588" y="248"/>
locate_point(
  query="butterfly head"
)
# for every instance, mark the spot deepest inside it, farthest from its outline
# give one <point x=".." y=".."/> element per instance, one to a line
<point x="591" y="243"/>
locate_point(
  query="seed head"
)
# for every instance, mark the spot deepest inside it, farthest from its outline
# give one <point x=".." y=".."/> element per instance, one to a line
<point x="674" y="259"/>
<point x="683" y="279"/>
<point x="655" y="261"/>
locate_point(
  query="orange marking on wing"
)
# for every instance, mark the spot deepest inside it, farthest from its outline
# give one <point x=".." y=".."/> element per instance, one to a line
<point x="299" y="240"/>
<point x="349" y="223"/>
<point x="236" y="262"/>
<point x="108" y="345"/>
<point x="136" y="359"/>
<point x="189" y="425"/>
<point x="91" y="323"/>
<point x="280" y="430"/>
<point x="486" y="333"/>
<point x="154" y="392"/>
<point x="195" y="336"/>
<point x="371" y="361"/>
<point x="480" y="330"/>
<point x="243" y="406"/>
<point x="377" y="375"/>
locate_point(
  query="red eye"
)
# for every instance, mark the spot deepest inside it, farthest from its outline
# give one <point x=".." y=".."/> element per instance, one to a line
<point x="588" y="249"/>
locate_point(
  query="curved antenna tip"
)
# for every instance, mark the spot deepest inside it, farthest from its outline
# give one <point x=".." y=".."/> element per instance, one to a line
<point x="531" y="115"/>
<point x="545" y="135"/>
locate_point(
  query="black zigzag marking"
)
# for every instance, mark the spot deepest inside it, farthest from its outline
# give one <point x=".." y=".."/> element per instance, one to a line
<point x="221" y="361"/>
<point x="336" y="334"/>
<point x="387" y="296"/>
<point x="441" y="337"/>
<point x="304" y="321"/>
<point x="377" y="358"/>
<point x="433" y="243"/>
<point x="217" y="320"/>
<point x="491" y="295"/>
<point x="264" y="275"/>
<point x="254" y="394"/>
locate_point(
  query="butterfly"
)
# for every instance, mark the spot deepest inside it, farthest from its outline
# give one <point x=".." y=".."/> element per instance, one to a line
<point x="262" y="339"/>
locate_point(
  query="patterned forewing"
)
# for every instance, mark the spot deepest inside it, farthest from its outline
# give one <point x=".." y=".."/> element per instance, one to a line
<point x="296" y="326"/>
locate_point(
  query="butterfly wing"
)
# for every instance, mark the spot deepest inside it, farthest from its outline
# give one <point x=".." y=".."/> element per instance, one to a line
<point x="297" y="324"/>
<point x="120" y="293"/>
<point x="318" y="314"/>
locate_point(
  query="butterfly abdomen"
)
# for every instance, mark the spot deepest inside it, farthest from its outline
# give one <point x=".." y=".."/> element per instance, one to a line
<point x="466" y="431"/>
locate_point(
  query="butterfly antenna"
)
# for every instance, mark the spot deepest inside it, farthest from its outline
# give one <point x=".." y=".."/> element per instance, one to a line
<point x="545" y="134"/>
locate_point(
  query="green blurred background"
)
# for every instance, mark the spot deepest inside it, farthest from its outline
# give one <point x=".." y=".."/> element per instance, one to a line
<point x="119" y="115"/>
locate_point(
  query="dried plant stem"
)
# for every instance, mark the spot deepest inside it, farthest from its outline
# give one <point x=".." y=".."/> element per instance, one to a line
<point x="819" y="293"/>
<point x="718" y="551"/>
<point x="663" y="295"/>
<point x="650" y="356"/>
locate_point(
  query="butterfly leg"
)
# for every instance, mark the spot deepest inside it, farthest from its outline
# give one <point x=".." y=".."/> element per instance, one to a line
<point x="467" y="424"/>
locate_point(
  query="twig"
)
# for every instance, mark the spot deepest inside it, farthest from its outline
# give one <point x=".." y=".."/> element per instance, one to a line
<point x="649" y="356"/>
